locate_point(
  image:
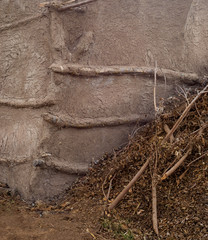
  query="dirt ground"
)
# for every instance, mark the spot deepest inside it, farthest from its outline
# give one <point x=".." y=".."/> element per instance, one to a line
<point x="18" y="223"/>
<point x="81" y="212"/>
<point x="185" y="217"/>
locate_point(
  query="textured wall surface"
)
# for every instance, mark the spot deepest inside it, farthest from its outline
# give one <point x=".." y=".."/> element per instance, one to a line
<point x="41" y="158"/>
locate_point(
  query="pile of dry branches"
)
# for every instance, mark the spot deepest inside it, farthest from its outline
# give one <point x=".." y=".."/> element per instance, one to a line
<point x="134" y="182"/>
<point x="186" y="138"/>
<point x="165" y="149"/>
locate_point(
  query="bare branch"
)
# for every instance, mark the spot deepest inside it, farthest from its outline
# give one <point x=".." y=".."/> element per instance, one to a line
<point x="167" y="130"/>
<point x="183" y="115"/>
<point x="109" y="189"/>
<point x="154" y="195"/>
<point x="203" y="155"/>
<point x="155" y="85"/>
<point x="182" y="92"/>
<point x="172" y="170"/>
<point x="126" y="189"/>
<point x="154" y="203"/>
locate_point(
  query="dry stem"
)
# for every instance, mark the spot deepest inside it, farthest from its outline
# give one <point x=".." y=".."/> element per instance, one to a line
<point x="154" y="204"/>
<point x="167" y="130"/>
<point x="109" y="189"/>
<point x="105" y="196"/>
<point x="126" y="189"/>
<point x="172" y="170"/>
<point x="154" y="196"/>
<point x="155" y="85"/>
<point x="203" y="155"/>
<point x="183" y="115"/>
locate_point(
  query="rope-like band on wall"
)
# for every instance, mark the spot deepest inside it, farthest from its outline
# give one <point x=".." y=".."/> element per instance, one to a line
<point x="27" y="103"/>
<point x="93" y="71"/>
<point x="69" y="122"/>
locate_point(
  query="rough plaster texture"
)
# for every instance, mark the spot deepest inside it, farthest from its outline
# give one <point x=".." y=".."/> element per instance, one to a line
<point x="37" y="158"/>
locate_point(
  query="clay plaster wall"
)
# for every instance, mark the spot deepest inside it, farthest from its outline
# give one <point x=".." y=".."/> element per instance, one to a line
<point x="39" y="158"/>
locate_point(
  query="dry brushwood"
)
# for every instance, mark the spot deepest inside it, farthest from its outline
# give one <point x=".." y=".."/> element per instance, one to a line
<point x="154" y="195"/>
<point x="188" y="152"/>
<point x="184" y="115"/>
<point x="187" y="120"/>
<point x="127" y="188"/>
<point x="155" y="85"/>
<point x="168" y="195"/>
<point x="172" y="170"/>
<point x="109" y="188"/>
<point x="203" y="155"/>
<point x="154" y="203"/>
<point x="167" y="130"/>
<point x="105" y="196"/>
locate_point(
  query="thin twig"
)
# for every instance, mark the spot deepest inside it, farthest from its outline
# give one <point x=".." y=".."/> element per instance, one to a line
<point x="172" y="170"/>
<point x="155" y="85"/>
<point x="183" y="93"/>
<point x="154" y="195"/>
<point x="197" y="110"/>
<point x="197" y="135"/>
<point x="126" y="189"/>
<point x="165" y="78"/>
<point x="175" y="160"/>
<point x="109" y="189"/>
<point x="105" y="197"/>
<point x="104" y="185"/>
<point x="154" y="203"/>
<point x="167" y="130"/>
<point x="183" y="115"/>
<point x="199" y="131"/>
<point x="204" y="154"/>
<point x="181" y="176"/>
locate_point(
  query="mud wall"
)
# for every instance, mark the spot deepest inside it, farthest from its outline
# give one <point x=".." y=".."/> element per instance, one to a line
<point x="53" y="124"/>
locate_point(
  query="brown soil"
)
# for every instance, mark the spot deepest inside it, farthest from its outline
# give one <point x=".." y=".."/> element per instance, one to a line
<point x="81" y="212"/>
